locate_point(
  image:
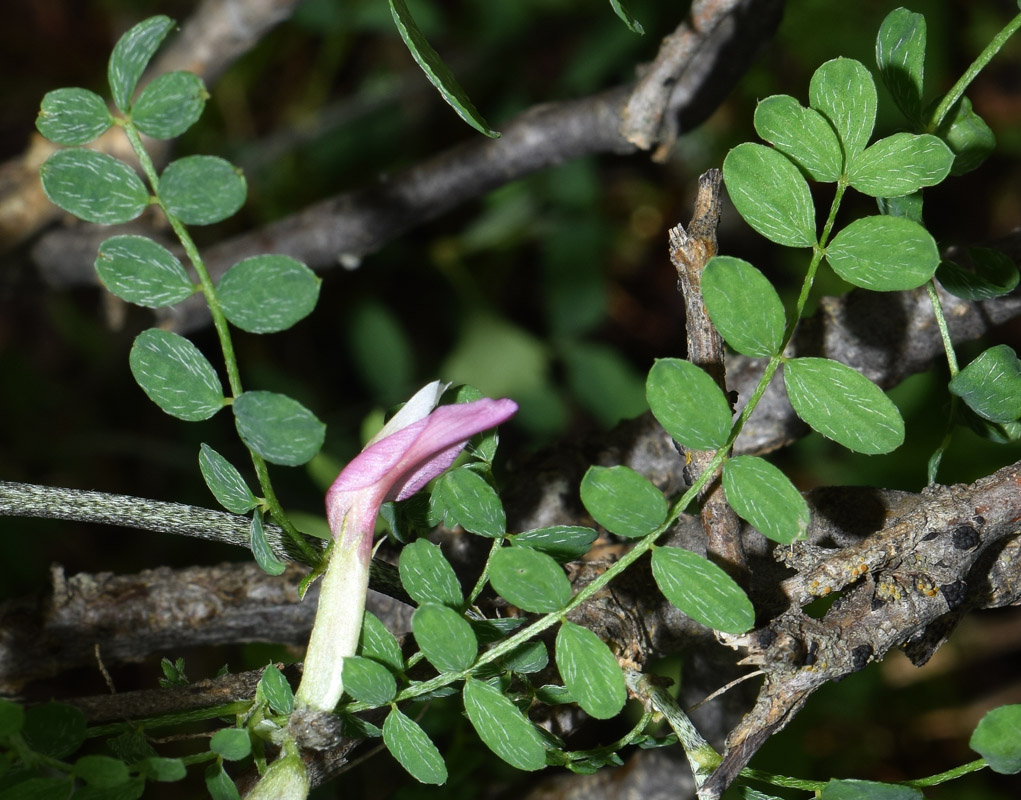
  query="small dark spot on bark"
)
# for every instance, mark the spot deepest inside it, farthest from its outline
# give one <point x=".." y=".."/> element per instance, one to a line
<point x="877" y="603"/>
<point x="811" y="653"/>
<point x="860" y="656"/>
<point x="930" y="536"/>
<point x="954" y="593"/>
<point x="766" y="638"/>
<point x="965" y="537"/>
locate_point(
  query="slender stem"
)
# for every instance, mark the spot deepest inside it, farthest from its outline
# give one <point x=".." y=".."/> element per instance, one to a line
<point x="484" y="577"/>
<point x="944" y="331"/>
<point x="168" y="720"/>
<point x="957" y="90"/>
<point x="223" y="334"/>
<point x="783" y="780"/>
<point x="949" y="775"/>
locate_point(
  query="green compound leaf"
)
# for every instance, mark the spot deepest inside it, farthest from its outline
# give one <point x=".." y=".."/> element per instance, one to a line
<point x="868" y="790"/>
<point x="900" y="56"/>
<point x="266" y="294"/>
<point x="993" y="274"/>
<point x="771" y="194"/>
<point x="744" y="306"/>
<point x="275" y="689"/>
<point x="93" y="186"/>
<point x="225" y="482"/>
<point x="843" y="405"/>
<point x="470" y="502"/>
<point x="12" y="717"/>
<point x="804" y="135"/>
<point x="688" y="404"/>
<point x="622" y="501"/>
<point x="620" y="8"/>
<point x="901" y="164"/>
<point x="54" y="729"/>
<point x="232" y="744"/>
<point x="991" y="385"/>
<point x="563" y="542"/>
<point x="137" y="269"/>
<point x="445" y="637"/>
<point x="530" y="580"/>
<point x="175" y="375"/>
<point x="702" y="590"/>
<point x="131" y="55"/>
<point x="968" y="136"/>
<point x="503" y="728"/>
<point x="435" y="70"/>
<point x="169" y="105"/>
<point x="219" y="784"/>
<point x="264" y="555"/>
<point x="998" y="739"/>
<point x="101" y="772"/>
<point x="278" y="428"/>
<point x="368" y="681"/>
<point x="884" y="254"/>
<point x="73" y="116"/>
<point x="428" y="577"/>
<point x="843" y="90"/>
<point x="201" y="190"/>
<point x="764" y="497"/>
<point x="413" y="749"/>
<point x="379" y="644"/>
<point x="590" y="671"/>
<point x="164" y="770"/>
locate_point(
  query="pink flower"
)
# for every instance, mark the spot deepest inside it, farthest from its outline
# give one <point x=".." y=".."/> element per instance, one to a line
<point x="415" y="446"/>
<point x="419" y="448"/>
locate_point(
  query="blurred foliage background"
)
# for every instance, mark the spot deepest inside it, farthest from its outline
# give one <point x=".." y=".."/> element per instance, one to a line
<point x="555" y="290"/>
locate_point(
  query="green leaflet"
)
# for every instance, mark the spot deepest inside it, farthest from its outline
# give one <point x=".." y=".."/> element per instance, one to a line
<point x="688" y="404"/>
<point x="765" y="498"/>
<point x="427" y="576"/>
<point x="379" y="644"/>
<point x="169" y="105"/>
<point x="702" y="590"/>
<point x="278" y="428"/>
<point x="771" y="194"/>
<point x="268" y="293"/>
<point x="368" y="681"/>
<point x="901" y="164"/>
<point x="264" y="555"/>
<point x="997" y="738"/>
<point x="445" y="637"/>
<point x="884" y="254"/>
<point x="201" y="190"/>
<point x="137" y="269"/>
<point x="435" y="70"/>
<point x="73" y="116"/>
<point x="844" y="92"/>
<point x="843" y="405"/>
<point x="232" y="744"/>
<point x="991" y="385"/>
<point x="900" y="56"/>
<point x="413" y="748"/>
<point x="504" y="729"/>
<point x="93" y="186"/>
<point x="131" y="55"/>
<point x="101" y="772"/>
<point x="225" y="482"/>
<point x="590" y="671"/>
<point x="466" y="499"/>
<point x="992" y="273"/>
<point x="744" y="307"/>
<point x="563" y="542"/>
<point x="620" y="8"/>
<point x="175" y="375"/>
<point x="804" y="135"/>
<point x="868" y="790"/>
<point x="275" y="689"/>
<point x="622" y="501"/>
<point x="529" y="579"/>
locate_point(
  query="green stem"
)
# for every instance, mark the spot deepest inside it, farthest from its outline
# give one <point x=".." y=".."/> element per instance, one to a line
<point x="480" y="584"/>
<point x="169" y="720"/>
<point x="944" y="331"/>
<point x="949" y="775"/>
<point x="223" y="334"/>
<point x="783" y="780"/>
<point x="957" y="90"/>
